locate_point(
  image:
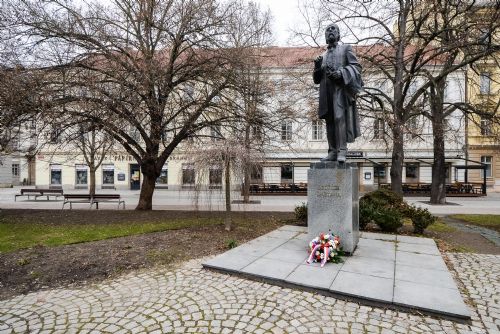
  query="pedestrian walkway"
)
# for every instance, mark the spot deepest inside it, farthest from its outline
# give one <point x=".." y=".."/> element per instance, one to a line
<point x="214" y="200"/>
<point x="191" y="299"/>
<point x="489" y="234"/>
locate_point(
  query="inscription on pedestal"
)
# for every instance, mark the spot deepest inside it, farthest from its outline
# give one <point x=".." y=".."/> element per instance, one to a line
<point x="332" y="198"/>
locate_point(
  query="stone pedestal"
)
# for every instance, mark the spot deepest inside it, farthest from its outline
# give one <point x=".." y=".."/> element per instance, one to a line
<point x="333" y="202"/>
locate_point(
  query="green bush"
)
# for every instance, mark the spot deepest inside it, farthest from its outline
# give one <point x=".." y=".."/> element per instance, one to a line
<point x="385" y="198"/>
<point x="301" y="212"/>
<point x="420" y="219"/>
<point x="367" y="211"/>
<point x="389" y="219"/>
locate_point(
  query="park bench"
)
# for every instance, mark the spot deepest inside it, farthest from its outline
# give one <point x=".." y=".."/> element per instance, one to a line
<point x="92" y="199"/>
<point x="39" y="192"/>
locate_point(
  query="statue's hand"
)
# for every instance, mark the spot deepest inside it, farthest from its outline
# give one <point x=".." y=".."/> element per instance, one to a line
<point x="318" y="61"/>
<point x="335" y="75"/>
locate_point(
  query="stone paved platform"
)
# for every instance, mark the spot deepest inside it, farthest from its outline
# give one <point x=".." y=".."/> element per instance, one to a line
<point x="389" y="270"/>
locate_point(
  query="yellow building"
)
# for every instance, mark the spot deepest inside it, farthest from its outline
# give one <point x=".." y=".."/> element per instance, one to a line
<point x="483" y="130"/>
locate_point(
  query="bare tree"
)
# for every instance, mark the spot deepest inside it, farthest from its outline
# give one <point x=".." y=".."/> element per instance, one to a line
<point x="397" y="40"/>
<point x="155" y="68"/>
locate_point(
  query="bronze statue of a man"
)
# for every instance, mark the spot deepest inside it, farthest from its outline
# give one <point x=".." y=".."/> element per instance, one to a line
<point x="338" y="74"/>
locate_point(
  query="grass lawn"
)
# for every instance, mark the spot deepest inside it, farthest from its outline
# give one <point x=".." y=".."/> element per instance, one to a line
<point x="440" y="226"/>
<point x="51" y="248"/>
<point x="14" y="236"/>
<point x="488" y="221"/>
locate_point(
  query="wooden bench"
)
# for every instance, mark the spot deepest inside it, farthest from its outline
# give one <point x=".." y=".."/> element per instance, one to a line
<point x="39" y="192"/>
<point x="95" y="199"/>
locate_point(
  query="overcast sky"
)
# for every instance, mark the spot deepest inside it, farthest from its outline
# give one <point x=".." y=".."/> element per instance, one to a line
<point x="285" y="15"/>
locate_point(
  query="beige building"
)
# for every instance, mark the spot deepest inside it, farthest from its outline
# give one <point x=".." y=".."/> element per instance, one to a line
<point x="287" y="159"/>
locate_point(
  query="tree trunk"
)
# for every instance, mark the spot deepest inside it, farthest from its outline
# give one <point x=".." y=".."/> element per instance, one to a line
<point x="397" y="162"/>
<point x="227" y="186"/>
<point x="147" y="187"/>
<point x="438" y="186"/>
<point x="92" y="181"/>
<point x="246" y="184"/>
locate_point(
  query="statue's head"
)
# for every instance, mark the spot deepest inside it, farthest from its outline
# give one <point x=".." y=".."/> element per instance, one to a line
<point x="332" y="34"/>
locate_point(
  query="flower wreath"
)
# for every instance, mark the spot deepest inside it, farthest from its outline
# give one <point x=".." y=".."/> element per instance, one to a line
<point x="325" y="248"/>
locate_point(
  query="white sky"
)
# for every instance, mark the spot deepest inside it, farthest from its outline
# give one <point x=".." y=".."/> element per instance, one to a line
<point x="285" y="15"/>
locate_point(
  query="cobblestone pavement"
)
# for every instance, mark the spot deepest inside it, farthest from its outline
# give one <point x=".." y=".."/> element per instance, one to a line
<point x="191" y="299"/>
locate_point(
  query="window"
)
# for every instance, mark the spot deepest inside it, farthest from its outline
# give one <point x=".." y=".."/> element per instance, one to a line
<point x="412" y="128"/>
<point x="188" y="175"/>
<point x="163" y="178"/>
<point x="486" y="126"/>
<point x="412" y="171"/>
<point x="15" y="170"/>
<point x="108" y="174"/>
<point x="257" y="132"/>
<point x="55" y="134"/>
<point x="487" y="160"/>
<point x="215" y="132"/>
<point x="317" y="130"/>
<point x="286" y="173"/>
<point x="484" y="83"/>
<point x="81" y="175"/>
<point x="379" y="128"/>
<point x="215" y="176"/>
<point x="55" y="174"/>
<point x="256" y="173"/>
<point x="379" y="171"/>
<point x="286" y="130"/>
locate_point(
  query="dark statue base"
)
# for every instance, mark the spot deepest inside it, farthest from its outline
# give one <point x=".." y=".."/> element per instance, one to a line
<point x="333" y="201"/>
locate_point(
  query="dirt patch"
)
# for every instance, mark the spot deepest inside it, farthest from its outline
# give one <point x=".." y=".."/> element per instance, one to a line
<point x="42" y="267"/>
<point x="460" y="241"/>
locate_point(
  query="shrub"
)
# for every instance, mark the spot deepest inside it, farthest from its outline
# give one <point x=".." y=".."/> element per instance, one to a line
<point x="367" y="212"/>
<point x="420" y="219"/>
<point x="301" y="212"/>
<point x="389" y="219"/>
<point x="385" y="198"/>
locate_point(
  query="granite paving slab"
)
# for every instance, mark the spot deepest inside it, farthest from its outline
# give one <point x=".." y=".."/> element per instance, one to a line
<point x="287" y="255"/>
<point x="430" y="298"/>
<point x="363" y="286"/>
<point x="419" y="275"/>
<point x="269" y="268"/>
<point x="313" y="276"/>
<point x="394" y="271"/>
<point x="369" y="266"/>
<point x="421" y="260"/>
<point x="293" y="228"/>
<point x="415" y="240"/>
<point x="231" y="261"/>
<point x="377" y="243"/>
<point x="378" y="236"/>
<point x="381" y="253"/>
<point x="296" y="244"/>
<point x="418" y="248"/>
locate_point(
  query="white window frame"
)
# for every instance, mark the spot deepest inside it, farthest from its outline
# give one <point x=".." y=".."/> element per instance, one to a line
<point x="379" y="128"/>
<point x="286" y="131"/>
<point x="488" y="161"/>
<point x="318" y="130"/>
<point x="485" y="83"/>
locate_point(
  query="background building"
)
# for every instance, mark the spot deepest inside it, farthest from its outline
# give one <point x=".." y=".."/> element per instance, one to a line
<point x="300" y="140"/>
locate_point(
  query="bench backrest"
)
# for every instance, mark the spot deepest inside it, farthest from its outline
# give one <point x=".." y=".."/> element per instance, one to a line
<point x="77" y="196"/>
<point x="106" y="196"/>
<point x="36" y="191"/>
<point x="51" y="191"/>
